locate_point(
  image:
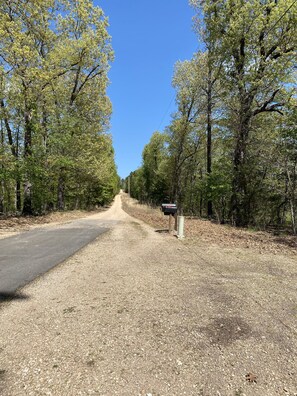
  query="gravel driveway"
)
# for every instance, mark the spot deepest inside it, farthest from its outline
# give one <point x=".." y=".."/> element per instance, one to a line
<point x="139" y="313"/>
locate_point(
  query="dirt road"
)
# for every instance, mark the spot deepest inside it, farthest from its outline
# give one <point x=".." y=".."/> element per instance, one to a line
<point x="138" y="312"/>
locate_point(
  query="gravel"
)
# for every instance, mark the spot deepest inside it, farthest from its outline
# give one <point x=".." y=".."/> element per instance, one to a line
<point x="140" y="313"/>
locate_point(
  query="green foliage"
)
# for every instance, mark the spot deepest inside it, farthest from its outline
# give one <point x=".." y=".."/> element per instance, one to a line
<point x="254" y="42"/>
<point x="153" y="169"/>
<point x="230" y="151"/>
<point x="150" y="183"/>
<point x="54" y="59"/>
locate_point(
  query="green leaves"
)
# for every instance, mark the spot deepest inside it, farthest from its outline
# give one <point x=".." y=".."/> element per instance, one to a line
<point x="230" y="149"/>
<point x="54" y="60"/>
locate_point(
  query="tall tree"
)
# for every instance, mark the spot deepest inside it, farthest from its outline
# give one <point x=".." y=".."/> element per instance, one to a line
<point x="54" y="60"/>
<point x="154" y="157"/>
<point x="255" y="41"/>
<point x="183" y="133"/>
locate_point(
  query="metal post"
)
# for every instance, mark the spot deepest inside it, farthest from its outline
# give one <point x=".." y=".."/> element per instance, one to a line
<point x="180" y="227"/>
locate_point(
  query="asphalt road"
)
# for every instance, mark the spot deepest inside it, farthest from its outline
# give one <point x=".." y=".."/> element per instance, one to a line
<point x="30" y="254"/>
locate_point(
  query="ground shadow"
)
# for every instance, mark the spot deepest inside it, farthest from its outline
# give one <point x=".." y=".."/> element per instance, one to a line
<point x="166" y="231"/>
<point x="2" y="381"/>
<point x="292" y="242"/>
<point x="9" y="296"/>
<point x="225" y="331"/>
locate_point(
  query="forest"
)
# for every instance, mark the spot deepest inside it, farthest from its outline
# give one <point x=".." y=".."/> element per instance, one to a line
<point x="55" y="149"/>
<point x="229" y="153"/>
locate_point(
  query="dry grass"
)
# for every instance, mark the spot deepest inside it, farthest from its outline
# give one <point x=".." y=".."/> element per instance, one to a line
<point x="212" y="233"/>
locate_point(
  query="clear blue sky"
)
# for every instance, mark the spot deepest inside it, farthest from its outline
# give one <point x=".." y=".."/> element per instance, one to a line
<point x="148" y="37"/>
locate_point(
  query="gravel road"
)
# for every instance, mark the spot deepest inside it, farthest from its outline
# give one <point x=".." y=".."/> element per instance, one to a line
<point x="140" y="313"/>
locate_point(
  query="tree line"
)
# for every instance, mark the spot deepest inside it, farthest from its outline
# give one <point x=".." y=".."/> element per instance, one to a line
<point x="230" y="151"/>
<point x="55" y="150"/>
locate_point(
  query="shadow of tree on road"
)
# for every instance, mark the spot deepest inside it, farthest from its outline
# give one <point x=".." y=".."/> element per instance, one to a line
<point x="9" y="296"/>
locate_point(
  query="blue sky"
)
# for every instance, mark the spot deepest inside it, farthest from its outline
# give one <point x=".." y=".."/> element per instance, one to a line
<point x="148" y="37"/>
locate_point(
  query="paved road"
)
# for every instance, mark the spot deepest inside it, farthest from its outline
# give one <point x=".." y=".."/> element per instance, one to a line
<point x="30" y="254"/>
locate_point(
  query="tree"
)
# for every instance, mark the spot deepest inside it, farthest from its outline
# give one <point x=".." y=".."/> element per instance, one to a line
<point x="183" y="133"/>
<point x="288" y="146"/>
<point x="154" y="158"/>
<point x="54" y="60"/>
<point x="255" y="40"/>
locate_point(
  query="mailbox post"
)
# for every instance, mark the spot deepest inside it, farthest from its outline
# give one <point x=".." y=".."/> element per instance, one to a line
<point x="169" y="210"/>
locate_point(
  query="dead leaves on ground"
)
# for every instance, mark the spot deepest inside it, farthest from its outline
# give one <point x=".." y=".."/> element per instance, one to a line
<point x="213" y="233"/>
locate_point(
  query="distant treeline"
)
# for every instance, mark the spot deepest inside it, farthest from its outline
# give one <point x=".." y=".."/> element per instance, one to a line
<point x="230" y="151"/>
<point x="55" y="152"/>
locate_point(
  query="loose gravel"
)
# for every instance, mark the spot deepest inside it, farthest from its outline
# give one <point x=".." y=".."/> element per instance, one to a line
<point x="140" y="313"/>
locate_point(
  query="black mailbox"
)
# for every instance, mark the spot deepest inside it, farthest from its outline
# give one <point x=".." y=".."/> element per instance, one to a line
<point x="169" y="209"/>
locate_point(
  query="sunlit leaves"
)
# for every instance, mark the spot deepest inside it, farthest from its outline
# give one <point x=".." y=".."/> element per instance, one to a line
<point x="54" y="60"/>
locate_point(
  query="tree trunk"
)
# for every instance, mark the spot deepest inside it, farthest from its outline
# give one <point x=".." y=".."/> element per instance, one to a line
<point x="2" y="188"/>
<point x="209" y="140"/>
<point x="2" y="194"/>
<point x="18" y="193"/>
<point x="18" y="200"/>
<point x="61" y="191"/>
<point x="292" y="186"/>
<point x="27" y="205"/>
<point x="240" y="201"/>
<point x="293" y="215"/>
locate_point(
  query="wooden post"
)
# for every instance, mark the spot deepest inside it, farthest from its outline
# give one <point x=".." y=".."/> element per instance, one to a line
<point x="175" y="221"/>
<point x="170" y="227"/>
